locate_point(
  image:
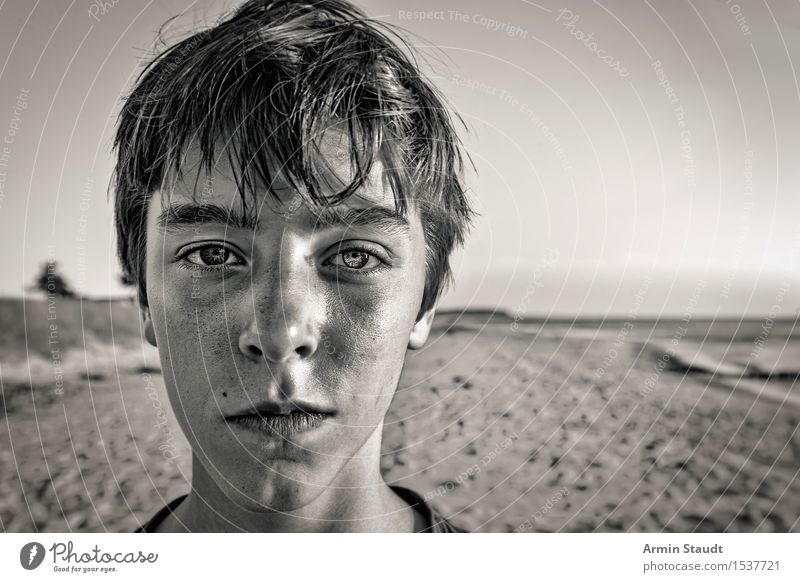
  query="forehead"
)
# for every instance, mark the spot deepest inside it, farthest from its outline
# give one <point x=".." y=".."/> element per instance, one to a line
<point x="199" y="186"/>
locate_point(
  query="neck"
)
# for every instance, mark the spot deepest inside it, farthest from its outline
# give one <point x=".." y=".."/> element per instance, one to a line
<point x="358" y="500"/>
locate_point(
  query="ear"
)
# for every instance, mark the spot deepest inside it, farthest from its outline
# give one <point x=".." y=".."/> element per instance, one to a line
<point x="147" y="324"/>
<point x="421" y="329"/>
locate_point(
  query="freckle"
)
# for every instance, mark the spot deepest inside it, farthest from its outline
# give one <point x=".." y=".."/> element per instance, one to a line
<point x="224" y="394"/>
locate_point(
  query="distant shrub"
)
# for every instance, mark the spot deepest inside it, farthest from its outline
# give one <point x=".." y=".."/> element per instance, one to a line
<point x="50" y="281"/>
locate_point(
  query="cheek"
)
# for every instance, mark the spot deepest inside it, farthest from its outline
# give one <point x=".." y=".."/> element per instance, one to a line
<point x="194" y="330"/>
<point x="366" y="334"/>
<point x="197" y="309"/>
<point x="365" y="339"/>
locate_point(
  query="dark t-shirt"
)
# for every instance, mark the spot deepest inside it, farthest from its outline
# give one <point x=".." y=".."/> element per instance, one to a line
<point x="431" y="520"/>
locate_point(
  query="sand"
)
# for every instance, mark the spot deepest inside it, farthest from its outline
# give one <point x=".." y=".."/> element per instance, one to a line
<point x="536" y="427"/>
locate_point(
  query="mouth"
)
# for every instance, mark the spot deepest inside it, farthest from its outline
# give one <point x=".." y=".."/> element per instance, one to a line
<point x="280" y="425"/>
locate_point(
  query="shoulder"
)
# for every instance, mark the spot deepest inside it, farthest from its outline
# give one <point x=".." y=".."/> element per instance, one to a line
<point x="434" y="522"/>
<point x="151" y="526"/>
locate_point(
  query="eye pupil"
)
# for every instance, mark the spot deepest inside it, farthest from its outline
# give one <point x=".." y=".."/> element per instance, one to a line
<point x="355" y="259"/>
<point x="214" y="255"/>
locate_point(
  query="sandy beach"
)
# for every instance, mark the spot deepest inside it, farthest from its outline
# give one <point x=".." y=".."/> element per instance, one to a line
<point x="503" y="425"/>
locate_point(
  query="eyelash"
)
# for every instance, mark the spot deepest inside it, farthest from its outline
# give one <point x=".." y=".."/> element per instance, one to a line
<point x="359" y="272"/>
<point x="183" y="262"/>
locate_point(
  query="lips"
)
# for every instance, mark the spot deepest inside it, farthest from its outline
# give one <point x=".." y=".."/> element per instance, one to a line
<point x="282" y="418"/>
<point x="280" y="424"/>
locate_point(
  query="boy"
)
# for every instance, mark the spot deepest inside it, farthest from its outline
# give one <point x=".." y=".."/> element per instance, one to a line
<point x="288" y="193"/>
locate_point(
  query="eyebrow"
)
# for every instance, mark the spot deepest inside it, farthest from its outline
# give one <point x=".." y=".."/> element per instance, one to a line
<point x="179" y="216"/>
<point x="379" y="217"/>
<point x="183" y="215"/>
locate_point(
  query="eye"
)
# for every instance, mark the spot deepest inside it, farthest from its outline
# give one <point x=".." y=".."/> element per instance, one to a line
<point x="212" y="257"/>
<point x="357" y="260"/>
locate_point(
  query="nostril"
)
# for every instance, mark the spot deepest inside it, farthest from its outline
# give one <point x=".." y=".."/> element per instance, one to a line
<point x="303" y="351"/>
<point x="256" y="351"/>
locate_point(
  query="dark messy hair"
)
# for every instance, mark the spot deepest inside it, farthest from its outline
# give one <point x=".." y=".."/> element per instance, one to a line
<point x="268" y="81"/>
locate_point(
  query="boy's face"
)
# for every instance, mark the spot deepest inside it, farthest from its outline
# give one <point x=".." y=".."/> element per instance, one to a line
<point x="303" y="321"/>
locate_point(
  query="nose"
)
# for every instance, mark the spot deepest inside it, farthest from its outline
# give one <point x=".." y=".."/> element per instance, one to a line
<point x="282" y="317"/>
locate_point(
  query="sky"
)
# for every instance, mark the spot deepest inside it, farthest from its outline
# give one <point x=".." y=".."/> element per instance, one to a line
<point x="631" y="158"/>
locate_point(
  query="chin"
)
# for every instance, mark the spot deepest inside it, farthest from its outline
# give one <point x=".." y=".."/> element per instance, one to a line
<point x="280" y="490"/>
